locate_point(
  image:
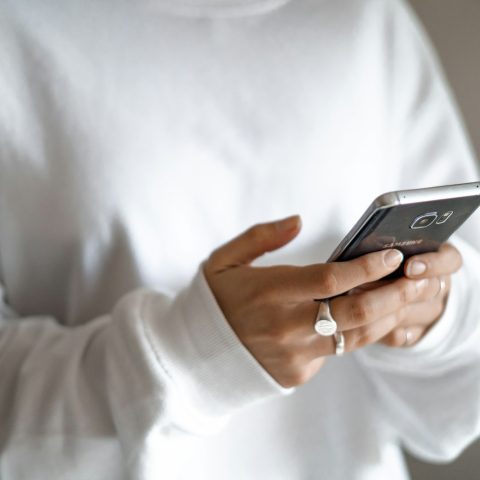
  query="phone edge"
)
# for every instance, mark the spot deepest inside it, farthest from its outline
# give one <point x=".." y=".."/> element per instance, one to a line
<point x="405" y="197"/>
<point x="471" y="189"/>
<point x="383" y="201"/>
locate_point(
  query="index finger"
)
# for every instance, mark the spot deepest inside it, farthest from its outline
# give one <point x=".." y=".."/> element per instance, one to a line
<point x="331" y="279"/>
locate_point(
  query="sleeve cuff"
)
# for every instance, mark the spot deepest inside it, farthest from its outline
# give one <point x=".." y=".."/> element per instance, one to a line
<point x="201" y="354"/>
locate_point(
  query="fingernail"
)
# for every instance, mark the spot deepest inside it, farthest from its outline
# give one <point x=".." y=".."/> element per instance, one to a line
<point x="416" y="268"/>
<point x="288" y="224"/>
<point x="393" y="258"/>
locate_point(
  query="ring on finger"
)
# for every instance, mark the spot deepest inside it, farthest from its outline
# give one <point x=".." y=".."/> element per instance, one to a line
<point x="339" y="343"/>
<point x="325" y="324"/>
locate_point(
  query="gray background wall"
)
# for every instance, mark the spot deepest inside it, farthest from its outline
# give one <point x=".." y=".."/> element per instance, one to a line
<point x="454" y="27"/>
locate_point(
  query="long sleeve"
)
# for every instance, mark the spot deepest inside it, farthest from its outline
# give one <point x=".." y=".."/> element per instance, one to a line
<point x="153" y="367"/>
<point x="85" y="396"/>
<point x="430" y="393"/>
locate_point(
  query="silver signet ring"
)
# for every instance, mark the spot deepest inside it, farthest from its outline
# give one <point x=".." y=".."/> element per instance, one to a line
<point x="325" y="324"/>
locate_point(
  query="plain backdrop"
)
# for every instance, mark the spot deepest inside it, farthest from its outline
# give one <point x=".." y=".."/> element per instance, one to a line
<point x="454" y="27"/>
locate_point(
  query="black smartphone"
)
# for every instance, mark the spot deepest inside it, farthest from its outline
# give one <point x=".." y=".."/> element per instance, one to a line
<point x="412" y="221"/>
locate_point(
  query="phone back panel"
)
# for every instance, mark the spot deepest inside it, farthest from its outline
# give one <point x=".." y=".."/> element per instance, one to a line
<point x="390" y="227"/>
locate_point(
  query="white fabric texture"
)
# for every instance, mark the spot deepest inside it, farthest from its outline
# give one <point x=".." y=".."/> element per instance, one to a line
<point x="135" y="137"/>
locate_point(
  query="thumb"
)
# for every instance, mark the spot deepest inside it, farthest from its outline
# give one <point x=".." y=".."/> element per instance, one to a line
<point x="254" y="242"/>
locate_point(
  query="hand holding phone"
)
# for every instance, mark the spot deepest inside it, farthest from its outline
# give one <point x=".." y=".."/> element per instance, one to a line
<point x="416" y="222"/>
<point x="272" y="309"/>
<point x="412" y="221"/>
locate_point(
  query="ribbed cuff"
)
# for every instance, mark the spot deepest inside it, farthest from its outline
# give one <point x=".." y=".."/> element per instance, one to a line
<point x="202" y="355"/>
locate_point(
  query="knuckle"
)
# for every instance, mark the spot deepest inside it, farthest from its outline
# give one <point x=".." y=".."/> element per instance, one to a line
<point x="390" y="325"/>
<point x="397" y="338"/>
<point x="428" y="289"/>
<point x="353" y="340"/>
<point x="367" y="338"/>
<point x="390" y="322"/>
<point x="257" y="233"/>
<point x="407" y="292"/>
<point x="361" y="310"/>
<point x="367" y="335"/>
<point x="392" y="339"/>
<point x="329" y="281"/>
<point x="368" y="265"/>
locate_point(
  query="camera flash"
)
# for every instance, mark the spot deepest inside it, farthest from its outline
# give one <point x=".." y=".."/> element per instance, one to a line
<point x="443" y="218"/>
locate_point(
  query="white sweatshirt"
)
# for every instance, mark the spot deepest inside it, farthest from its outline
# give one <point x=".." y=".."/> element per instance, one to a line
<point x="135" y="137"/>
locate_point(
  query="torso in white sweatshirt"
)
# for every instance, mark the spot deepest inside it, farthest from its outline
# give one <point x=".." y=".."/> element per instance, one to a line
<point x="135" y="137"/>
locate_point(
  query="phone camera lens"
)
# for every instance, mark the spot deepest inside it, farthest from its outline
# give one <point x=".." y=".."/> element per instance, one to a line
<point x="443" y="218"/>
<point x="425" y="220"/>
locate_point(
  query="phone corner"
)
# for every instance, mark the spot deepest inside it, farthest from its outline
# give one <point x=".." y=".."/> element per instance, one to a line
<point x="388" y="199"/>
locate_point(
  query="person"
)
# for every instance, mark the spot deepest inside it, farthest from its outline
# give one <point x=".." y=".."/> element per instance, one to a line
<point x="143" y="335"/>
